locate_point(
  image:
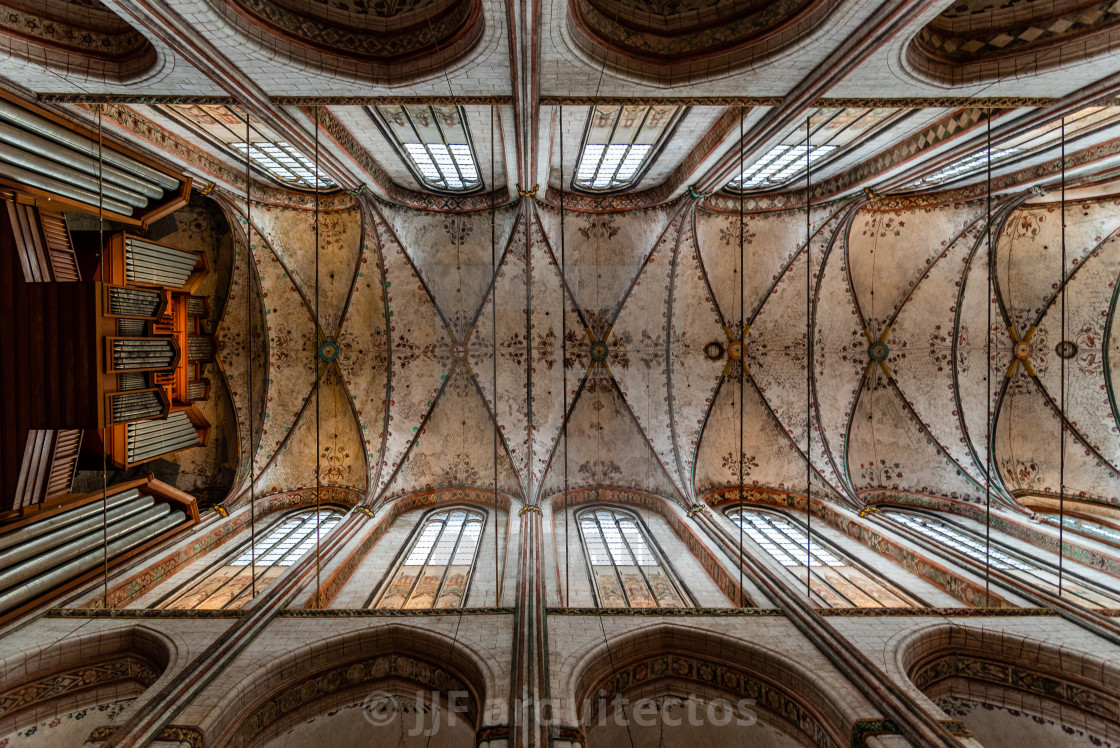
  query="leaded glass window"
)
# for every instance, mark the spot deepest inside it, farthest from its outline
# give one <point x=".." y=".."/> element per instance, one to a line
<point x="620" y="143"/>
<point x="436" y="569"/>
<point x="830" y="130"/>
<point x="1086" y="527"/>
<point x="1042" y="576"/>
<point x="225" y="126"/>
<point x="1080" y="123"/>
<point x="627" y="569"/>
<point x="831" y="575"/>
<point x="228" y="584"/>
<point x="284" y="162"/>
<point x="434" y="142"/>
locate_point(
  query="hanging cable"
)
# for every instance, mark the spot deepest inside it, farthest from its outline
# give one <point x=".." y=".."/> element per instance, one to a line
<point x="104" y="429"/>
<point x="494" y="340"/>
<point x="1063" y="360"/>
<point x="742" y="342"/>
<point x="563" y="365"/>
<point x="988" y="383"/>
<point x="808" y="368"/>
<point x="315" y="365"/>
<point x="249" y="360"/>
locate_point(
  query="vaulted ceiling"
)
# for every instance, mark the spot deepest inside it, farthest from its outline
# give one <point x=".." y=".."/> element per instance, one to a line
<point x="632" y="344"/>
<point x="654" y="337"/>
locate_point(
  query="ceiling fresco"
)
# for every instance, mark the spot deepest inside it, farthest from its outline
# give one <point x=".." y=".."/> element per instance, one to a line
<point x="660" y="38"/>
<point x="667" y="335"/>
<point x="672" y="364"/>
<point x="84" y="34"/>
<point x="978" y="40"/>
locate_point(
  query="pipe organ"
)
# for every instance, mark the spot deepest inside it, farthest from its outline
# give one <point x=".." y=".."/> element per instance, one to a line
<point x="44" y="156"/>
<point x="155" y="356"/>
<point x="62" y="546"/>
<point x="109" y="354"/>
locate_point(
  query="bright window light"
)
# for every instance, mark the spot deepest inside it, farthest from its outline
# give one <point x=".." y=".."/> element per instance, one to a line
<point x="1086" y="526"/>
<point x="1034" y="572"/>
<point x="434" y="142"/>
<point x="829" y="131"/>
<point x="1039" y="140"/>
<point x="958" y="541"/>
<point x="975" y="162"/>
<point x="626" y="570"/>
<point x="779" y="165"/>
<point x="285" y="163"/>
<point x="225" y="126"/>
<point x="835" y="579"/>
<point x="436" y="571"/>
<point x="619" y="143"/>
<point x="290" y="540"/>
<point x="783" y="540"/>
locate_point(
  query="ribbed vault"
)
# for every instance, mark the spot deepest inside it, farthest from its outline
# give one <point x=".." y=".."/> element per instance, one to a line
<point x="685" y="338"/>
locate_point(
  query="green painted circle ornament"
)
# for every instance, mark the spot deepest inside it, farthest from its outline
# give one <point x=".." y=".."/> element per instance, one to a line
<point x="328" y="351"/>
<point x="878" y="351"/>
<point x="599" y="351"/>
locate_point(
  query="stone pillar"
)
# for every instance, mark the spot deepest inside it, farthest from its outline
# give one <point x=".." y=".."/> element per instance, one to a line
<point x="528" y="710"/>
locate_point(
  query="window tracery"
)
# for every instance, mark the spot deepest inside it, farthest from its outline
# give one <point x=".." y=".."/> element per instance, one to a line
<point x="620" y="143"/>
<point x="1086" y="526"/>
<point x="1078" y="124"/>
<point x="228" y="584"/>
<point x="627" y="569"/>
<point x="225" y="127"/>
<point x="830" y="130"/>
<point x="831" y="575"/>
<point x="434" y="142"/>
<point x="437" y="567"/>
<point x="1036" y="574"/>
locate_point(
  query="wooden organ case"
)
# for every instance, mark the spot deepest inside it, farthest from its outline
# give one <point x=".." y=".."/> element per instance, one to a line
<point x="154" y="347"/>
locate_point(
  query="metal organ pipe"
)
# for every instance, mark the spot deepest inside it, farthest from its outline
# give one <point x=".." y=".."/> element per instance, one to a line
<point x="42" y="527"/>
<point x="29" y="591"/>
<point x="35" y="123"/>
<point x="44" y="562"/>
<point x="51" y="184"/>
<point x="70" y="532"/>
<point x="51" y="149"/>
<point x="64" y="172"/>
<point x="151" y="263"/>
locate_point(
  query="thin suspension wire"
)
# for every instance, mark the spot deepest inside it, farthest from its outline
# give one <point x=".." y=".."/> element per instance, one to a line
<point x="315" y="365"/>
<point x="494" y="341"/>
<point x="988" y="381"/>
<point x="104" y="429"/>
<point x="808" y="362"/>
<point x="249" y="360"/>
<point x="1063" y="361"/>
<point x="742" y="340"/>
<point x="563" y="366"/>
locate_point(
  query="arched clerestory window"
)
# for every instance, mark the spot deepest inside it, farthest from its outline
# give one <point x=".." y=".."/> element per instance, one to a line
<point x="619" y="144"/>
<point x="437" y="564"/>
<point x="228" y="583"/>
<point x="833" y="577"/>
<point x="435" y="144"/>
<point x="627" y="568"/>
<point x="1096" y="530"/>
<point x="1032" y="572"/>
<point x="223" y="126"/>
